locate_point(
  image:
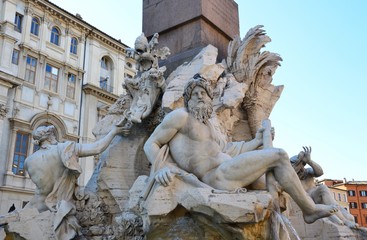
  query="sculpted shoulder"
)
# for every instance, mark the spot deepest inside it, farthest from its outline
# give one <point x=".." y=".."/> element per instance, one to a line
<point x="177" y="117"/>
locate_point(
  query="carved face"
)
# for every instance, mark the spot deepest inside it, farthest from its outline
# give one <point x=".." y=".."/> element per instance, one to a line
<point x="200" y="104"/>
<point x="199" y="96"/>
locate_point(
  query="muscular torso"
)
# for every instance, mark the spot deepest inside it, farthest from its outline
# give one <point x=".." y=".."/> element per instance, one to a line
<point x="194" y="148"/>
<point x="45" y="168"/>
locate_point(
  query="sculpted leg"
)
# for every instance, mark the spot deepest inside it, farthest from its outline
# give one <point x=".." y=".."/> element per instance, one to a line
<point x="289" y="180"/>
<point x="321" y="194"/>
<point x="245" y="168"/>
<point x="242" y="170"/>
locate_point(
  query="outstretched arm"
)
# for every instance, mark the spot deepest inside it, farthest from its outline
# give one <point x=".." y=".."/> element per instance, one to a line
<point x="90" y="149"/>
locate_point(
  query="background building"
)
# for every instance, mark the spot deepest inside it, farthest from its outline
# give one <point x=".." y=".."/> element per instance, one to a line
<point x="55" y="69"/>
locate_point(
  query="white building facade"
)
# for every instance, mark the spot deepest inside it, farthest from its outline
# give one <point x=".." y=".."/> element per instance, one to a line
<point x="55" y="69"/>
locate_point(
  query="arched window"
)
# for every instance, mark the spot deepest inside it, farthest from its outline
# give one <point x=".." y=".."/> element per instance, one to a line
<point x="104" y="63"/>
<point x="35" y="26"/>
<point x="74" y="45"/>
<point x="55" y="36"/>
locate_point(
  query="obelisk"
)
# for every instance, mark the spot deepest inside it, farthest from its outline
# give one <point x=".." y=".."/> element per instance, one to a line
<point x="186" y="26"/>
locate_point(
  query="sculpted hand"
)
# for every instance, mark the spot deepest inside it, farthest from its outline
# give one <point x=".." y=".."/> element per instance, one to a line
<point x="123" y="127"/>
<point x="307" y="154"/>
<point x="164" y="176"/>
<point x="259" y="134"/>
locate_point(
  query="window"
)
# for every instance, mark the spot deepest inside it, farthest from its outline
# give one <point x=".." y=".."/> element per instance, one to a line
<point x="103" y="83"/>
<point x="51" y="79"/>
<point x="344" y="198"/>
<point x="363" y="193"/>
<point x="355" y="219"/>
<point x="30" y="71"/>
<point x="106" y="74"/>
<point x="129" y="64"/>
<point x="351" y="193"/>
<point x="74" y="45"/>
<point x="70" y="89"/>
<point x="339" y="197"/>
<point x="35" y="26"/>
<point x="18" y="22"/>
<point x="55" y="36"/>
<point x="20" y="153"/>
<point x="15" y="57"/>
<point x="364" y="205"/>
<point x="353" y="205"/>
<point x="104" y="63"/>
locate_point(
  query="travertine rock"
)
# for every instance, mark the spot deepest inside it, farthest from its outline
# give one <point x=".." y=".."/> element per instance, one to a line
<point x="204" y="63"/>
<point x="32" y="225"/>
<point x="222" y="214"/>
<point x="2" y="233"/>
<point x="322" y="228"/>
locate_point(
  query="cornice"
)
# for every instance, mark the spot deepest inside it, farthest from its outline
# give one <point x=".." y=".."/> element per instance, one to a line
<point x="9" y="80"/>
<point x="73" y="20"/>
<point x="100" y="93"/>
<point x="17" y="189"/>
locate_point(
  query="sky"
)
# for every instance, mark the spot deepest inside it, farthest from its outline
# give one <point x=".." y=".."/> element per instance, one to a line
<point x="323" y="47"/>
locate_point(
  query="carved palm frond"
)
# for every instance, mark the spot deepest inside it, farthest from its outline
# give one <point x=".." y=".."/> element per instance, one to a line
<point x="256" y="69"/>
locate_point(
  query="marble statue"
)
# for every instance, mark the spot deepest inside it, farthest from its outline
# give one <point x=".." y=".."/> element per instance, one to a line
<point x="194" y="147"/>
<point x="149" y="82"/>
<point x="320" y="194"/>
<point x="54" y="169"/>
<point x="206" y="140"/>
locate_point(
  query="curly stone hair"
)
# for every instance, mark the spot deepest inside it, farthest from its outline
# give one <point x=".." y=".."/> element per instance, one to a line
<point x="42" y="133"/>
<point x="196" y="80"/>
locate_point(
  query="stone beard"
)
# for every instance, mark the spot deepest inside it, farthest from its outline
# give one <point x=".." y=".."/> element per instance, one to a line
<point x="202" y="111"/>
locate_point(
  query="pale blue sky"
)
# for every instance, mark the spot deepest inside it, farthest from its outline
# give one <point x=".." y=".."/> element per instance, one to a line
<point x="323" y="46"/>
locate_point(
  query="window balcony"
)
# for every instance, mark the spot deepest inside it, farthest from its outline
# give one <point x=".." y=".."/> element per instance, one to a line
<point x="105" y="86"/>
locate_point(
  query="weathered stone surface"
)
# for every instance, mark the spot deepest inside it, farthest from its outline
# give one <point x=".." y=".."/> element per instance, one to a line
<point x="2" y="233"/>
<point x="181" y="203"/>
<point x="203" y="63"/>
<point x="322" y="228"/>
<point x="32" y="225"/>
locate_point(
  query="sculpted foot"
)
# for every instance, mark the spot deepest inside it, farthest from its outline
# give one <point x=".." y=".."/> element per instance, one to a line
<point x="336" y="220"/>
<point x="351" y="224"/>
<point x="320" y="211"/>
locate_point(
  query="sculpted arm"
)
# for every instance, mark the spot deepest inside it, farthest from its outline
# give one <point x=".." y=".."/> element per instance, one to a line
<point x="316" y="170"/>
<point x="99" y="146"/>
<point x="247" y="146"/>
<point x="164" y="133"/>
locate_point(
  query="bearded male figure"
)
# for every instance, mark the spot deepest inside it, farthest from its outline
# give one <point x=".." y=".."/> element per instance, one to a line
<point x="195" y="148"/>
